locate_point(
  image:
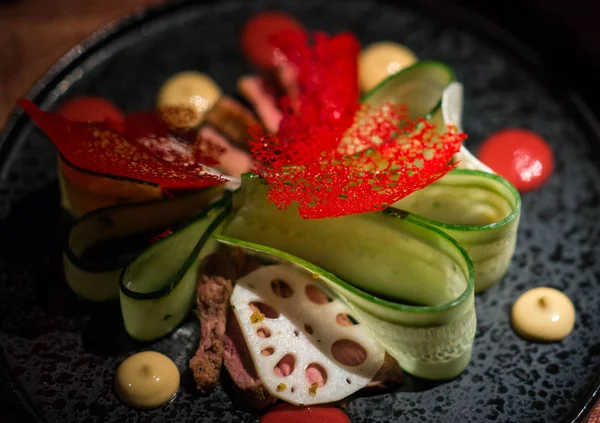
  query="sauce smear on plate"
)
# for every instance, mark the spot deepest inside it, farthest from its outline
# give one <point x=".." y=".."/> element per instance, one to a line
<point x="543" y="314"/>
<point x="292" y="414"/>
<point x="519" y="155"/>
<point x="256" y="37"/>
<point x="147" y="380"/>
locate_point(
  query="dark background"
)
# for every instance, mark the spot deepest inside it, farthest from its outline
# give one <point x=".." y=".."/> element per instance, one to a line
<point x="565" y="33"/>
<point x="35" y="33"/>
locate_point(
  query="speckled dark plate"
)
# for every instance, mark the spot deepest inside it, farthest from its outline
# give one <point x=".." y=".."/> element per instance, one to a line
<point x="58" y="354"/>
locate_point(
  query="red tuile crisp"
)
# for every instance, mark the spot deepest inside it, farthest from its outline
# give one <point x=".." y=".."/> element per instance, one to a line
<point x="96" y="148"/>
<point x="160" y="236"/>
<point x="334" y="158"/>
<point x="174" y="145"/>
<point x="327" y="97"/>
<point x="149" y="132"/>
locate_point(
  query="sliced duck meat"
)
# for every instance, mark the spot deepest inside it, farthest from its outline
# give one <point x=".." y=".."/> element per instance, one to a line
<point x="233" y="120"/>
<point x="244" y="263"/>
<point x="222" y="263"/>
<point x="389" y="376"/>
<point x="260" y="94"/>
<point x="232" y="160"/>
<point x="218" y="322"/>
<point x="213" y="305"/>
<point x="230" y="263"/>
<point x="285" y="78"/>
<point x="249" y="390"/>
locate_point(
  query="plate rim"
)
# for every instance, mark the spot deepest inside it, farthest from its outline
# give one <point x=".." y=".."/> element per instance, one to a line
<point x="468" y="19"/>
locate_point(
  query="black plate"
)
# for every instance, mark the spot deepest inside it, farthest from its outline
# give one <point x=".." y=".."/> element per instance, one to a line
<point x="59" y="353"/>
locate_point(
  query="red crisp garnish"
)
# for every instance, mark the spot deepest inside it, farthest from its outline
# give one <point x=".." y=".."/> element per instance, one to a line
<point x="96" y="148"/>
<point x="373" y="177"/>
<point x="333" y="159"/>
<point x="161" y="235"/>
<point x="327" y="97"/>
<point x="149" y="130"/>
<point x="206" y="151"/>
<point x="93" y="109"/>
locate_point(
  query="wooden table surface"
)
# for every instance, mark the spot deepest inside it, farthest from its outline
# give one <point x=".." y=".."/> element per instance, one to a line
<point x="35" y="33"/>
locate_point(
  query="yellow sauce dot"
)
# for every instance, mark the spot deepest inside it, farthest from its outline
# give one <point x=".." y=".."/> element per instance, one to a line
<point x="543" y="314"/>
<point x="189" y="90"/>
<point x="379" y="60"/>
<point x="147" y="380"/>
<point x="281" y="387"/>
<point x="312" y="390"/>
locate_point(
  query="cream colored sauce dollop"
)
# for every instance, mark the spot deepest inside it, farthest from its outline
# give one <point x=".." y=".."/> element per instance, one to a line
<point x="543" y="314"/>
<point x="379" y="60"/>
<point x="147" y="380"/>
<point x="190" y="89"/>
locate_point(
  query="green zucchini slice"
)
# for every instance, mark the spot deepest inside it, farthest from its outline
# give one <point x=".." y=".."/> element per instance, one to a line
<point x="83" y="191"/>
<point x="430" y="90"/>
<point x="98" y="280"/>
<point x="419" y="86"/>
<point x="478" y="209"/>
<point x="410" y="282"/>
<point x="159" y="287"/>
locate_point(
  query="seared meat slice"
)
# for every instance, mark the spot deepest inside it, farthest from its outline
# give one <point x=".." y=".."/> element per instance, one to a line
<point x="214" y="291"/>
<point x="249" y="390"/>
<point x="285" y="80"/>
<point x="389" y="376"/>
<point x="231" y="160"/>
<point x="213" y="303"/>
<point x="230" y="263"/>
<point x="257" y="91"/>
<point x="222" y="340"/>
<point x="232" y="119"/>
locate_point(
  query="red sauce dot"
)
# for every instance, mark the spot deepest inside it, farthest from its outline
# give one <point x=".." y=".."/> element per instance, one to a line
<point x="292" y="414"/>
<point x="93" y="109"/>
<point x="519" y="155"/>
<point x="256" y="36"/>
